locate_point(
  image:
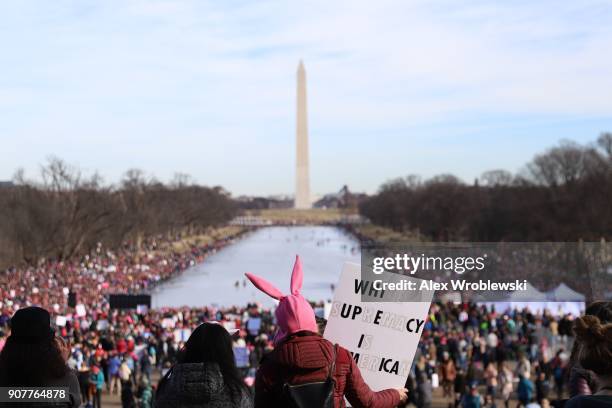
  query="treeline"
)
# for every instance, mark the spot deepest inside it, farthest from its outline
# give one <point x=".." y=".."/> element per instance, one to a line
<point x="67" y="213"/>
<point x="563" y="194"/>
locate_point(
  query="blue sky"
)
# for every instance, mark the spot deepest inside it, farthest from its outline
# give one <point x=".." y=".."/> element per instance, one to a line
<point x="208" y="88"/>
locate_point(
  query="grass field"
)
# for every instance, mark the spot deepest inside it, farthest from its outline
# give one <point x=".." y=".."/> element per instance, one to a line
<point x="384" y="235"/>
<point x="208" y="238"/>
<point x="311" y="216"/>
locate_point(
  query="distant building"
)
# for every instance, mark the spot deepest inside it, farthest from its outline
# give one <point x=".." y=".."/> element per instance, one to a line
<point x="6" y="184"/>
<point x="342" y="199"/>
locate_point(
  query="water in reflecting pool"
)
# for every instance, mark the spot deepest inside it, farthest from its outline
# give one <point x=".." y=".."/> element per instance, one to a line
<point x="270" y="253"/>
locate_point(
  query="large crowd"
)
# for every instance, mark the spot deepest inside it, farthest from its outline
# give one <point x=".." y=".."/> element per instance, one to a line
<point x="467" y="349"/>
<point x="129" y="269"/>
<point x="475" y="355"/>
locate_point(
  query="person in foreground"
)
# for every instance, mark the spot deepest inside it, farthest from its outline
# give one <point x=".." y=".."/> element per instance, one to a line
<point x="205" y="375"/>
<point x="302" y="357"/>
<point x="594" y="353"/>
<point x="581" y="380"/>
<point x="34" y="357"/>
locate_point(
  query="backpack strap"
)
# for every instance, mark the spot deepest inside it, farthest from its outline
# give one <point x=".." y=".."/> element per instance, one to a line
<point x="332" y="366"/>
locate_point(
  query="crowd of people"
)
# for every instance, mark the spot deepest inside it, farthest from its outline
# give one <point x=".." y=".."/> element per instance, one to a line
<point x="508" y="355"/>
<point x="102" y="339"/>
<point x="476" y="356"/>
<point x="132" y="268"/>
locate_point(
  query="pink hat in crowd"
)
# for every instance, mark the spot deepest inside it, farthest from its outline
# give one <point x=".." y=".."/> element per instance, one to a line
<point x="293" y="313"/>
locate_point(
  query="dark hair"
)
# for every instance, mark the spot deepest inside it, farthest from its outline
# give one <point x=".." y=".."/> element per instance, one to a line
<point x="31" y="364"/>
<point x="595" y="348"/>
<point x="603" y="311"/>
<point x="211" y="343"/>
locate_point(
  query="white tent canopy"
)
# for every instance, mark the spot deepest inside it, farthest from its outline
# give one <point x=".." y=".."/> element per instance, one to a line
<point x="530" y="295"/>
<point x="564" y="293"/>
<point x="559" y="301"/>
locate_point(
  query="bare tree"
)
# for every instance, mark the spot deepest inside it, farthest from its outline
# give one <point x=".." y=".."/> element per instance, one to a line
<point x="562" y="195"/>
<point x="67" y="213"/>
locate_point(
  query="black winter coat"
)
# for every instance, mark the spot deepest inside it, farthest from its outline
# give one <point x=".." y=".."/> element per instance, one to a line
<point x="198" y="385"/>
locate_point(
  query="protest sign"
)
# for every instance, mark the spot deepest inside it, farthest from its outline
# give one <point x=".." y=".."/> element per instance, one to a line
<point x="60" y="321"/>
<point x="241" y="355"/>
<point x="182" y="334"/>
<point x="168" y="323"/>
<point x="253" y="325"/>
<point x="102" y="325"/>
<point x="80" y="310"/>
<point x="382" y="336"/>
<point x="326" y="310"/>
<point x="185" y="333"/>
<point x="230" y="326"/>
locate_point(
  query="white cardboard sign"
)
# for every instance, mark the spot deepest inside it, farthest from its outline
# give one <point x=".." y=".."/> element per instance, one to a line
<point x="381" y="336"/>
<point x="60" y="321"/>
<point x="80" y="310"/>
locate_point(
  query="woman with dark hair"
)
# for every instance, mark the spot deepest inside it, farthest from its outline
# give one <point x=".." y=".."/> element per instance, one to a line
<point x="34" y="357"/>
<point x="581" y="380"/>
<point x="594" y="353"/>
<point x="205" y="375"/>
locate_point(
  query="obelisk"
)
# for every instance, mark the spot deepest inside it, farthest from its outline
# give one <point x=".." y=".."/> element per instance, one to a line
<point x="302" y="179"/>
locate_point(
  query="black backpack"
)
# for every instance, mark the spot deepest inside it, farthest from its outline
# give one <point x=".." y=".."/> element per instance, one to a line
<point x="312" y="395"/>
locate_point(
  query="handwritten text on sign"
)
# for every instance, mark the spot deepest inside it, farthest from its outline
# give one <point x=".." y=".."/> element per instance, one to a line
<point x="382" y="336"/>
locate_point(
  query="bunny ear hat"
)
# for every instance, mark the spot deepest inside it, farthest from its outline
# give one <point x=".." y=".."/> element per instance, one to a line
<point x="293" y="313"/>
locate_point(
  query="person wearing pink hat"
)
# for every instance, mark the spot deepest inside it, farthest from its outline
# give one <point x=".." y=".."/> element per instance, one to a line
<point x="302" y="357"/>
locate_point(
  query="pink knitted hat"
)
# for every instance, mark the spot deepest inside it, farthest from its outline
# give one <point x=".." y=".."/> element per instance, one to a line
<point x="293" y="313"/>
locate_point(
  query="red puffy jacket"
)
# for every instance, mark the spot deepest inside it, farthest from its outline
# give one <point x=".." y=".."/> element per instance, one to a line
<point x="305" y="358"/>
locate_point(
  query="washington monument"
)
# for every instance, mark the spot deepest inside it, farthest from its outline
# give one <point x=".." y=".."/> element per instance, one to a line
<point x="302" y="178"/>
